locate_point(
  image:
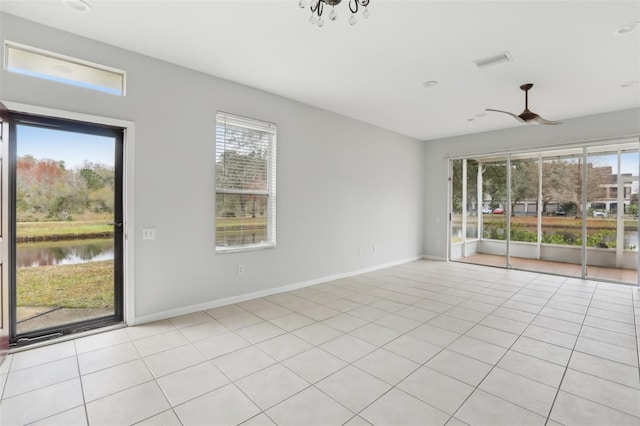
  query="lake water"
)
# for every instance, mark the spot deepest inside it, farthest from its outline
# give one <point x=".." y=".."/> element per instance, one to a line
<point x="63" y="252"/>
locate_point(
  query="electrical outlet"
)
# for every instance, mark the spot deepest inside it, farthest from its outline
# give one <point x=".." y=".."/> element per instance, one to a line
<point x="240" y="269"/>
<point x="359" y="252"/>
<point x="375" y="249"/>
<point x="148" y="233"/>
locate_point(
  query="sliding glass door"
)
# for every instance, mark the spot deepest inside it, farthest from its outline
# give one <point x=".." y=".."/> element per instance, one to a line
<point x="571" y="212"/>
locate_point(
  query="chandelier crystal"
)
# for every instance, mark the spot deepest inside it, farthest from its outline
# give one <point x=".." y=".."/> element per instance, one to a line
<point x="317" y="8"/>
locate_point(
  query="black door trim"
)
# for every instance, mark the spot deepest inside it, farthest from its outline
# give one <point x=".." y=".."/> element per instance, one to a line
<point x="96" y="129"/>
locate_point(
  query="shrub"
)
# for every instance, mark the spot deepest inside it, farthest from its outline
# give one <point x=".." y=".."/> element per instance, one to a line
<point x="496" y="230"/>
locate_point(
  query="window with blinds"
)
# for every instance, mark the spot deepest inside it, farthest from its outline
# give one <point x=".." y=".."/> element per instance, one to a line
<point x="245" y="183"/>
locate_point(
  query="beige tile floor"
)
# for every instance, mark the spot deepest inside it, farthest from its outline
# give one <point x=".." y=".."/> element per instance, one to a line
<point x="627" y="276"/>
<point x="424" y="343"/>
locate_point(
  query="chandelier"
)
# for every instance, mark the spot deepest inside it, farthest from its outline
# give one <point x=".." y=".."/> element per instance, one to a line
<point x="317" y="7"/>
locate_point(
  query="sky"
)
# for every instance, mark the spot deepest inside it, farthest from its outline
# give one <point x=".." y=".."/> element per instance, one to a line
<point x="70" y="147"/>
<point x="628" y="163"/>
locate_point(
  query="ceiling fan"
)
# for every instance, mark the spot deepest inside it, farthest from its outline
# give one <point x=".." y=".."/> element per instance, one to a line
<point x="526" y="116"/>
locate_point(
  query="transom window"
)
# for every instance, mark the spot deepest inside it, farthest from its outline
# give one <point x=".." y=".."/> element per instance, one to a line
<point x="245" y="183"/>
<point x="39" y="63"/>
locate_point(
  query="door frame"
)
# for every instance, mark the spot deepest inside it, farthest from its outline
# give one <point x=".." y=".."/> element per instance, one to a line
<point x="4" y="240"/>
<point x="128" y="290"/>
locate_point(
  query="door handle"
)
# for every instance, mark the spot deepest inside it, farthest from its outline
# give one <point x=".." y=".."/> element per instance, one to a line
<point x="116" y="224"/>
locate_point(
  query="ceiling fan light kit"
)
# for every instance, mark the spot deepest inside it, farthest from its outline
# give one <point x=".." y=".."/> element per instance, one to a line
<point x="526" y="116"/>
<point x="317" y="9"/>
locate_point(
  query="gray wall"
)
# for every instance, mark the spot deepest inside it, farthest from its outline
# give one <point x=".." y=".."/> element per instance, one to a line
<point x="602" y="126"/>
<point x="342" y="184"/>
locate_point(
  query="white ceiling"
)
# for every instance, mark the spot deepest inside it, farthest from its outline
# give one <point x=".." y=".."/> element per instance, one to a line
<point x="374" y="70"/>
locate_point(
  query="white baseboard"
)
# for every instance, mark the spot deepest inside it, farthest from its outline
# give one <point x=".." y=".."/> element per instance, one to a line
<point x="254" y="295"/>
<point x="442" y="259"/>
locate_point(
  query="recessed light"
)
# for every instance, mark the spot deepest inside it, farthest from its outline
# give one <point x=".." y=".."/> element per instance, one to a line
<point x="628" y="28"/>
<point x="430" y="83"/>
<point x="77" y="5"/>
<point x="630" y="83"/>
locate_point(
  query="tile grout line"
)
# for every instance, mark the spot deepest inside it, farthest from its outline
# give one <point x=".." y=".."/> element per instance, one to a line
<point x="553" y="403"/>
<point x="477" y="387"/>
<point x="423" y="364"/>
<point x="597" y="377"/>
<point x="84" y="400"/>
<point x="4" y="385"/>
<point x="404" y="333"/>
<point x="461" y="335"/>
<point x="394" y="386"/>
<point x="378" y="348"/>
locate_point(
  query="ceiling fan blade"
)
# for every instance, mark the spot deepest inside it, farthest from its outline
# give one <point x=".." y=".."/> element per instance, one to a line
<point x="508" y="113"/>
<point x="526" y="116"/>
<point x="541" y="120"/>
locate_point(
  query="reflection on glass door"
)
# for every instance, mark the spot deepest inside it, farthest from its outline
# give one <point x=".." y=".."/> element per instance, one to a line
<point x="67" y="227"/>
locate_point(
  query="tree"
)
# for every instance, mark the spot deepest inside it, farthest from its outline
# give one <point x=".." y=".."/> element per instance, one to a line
<point x="457" y="185"/>
<point x="93" y="180"/>
<point x="562" y="182"/>
<point x="524" y="182"/>
<point x="241" y="172"/>
<point x="46" y="187"/>
<point x="494" y="182"/>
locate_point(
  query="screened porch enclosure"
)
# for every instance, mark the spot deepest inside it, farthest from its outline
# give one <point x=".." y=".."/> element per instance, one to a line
<point x="570" y="211"/>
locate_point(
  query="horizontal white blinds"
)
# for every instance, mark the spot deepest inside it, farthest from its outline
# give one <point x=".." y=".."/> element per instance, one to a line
<point x="245" y="123"/>
<point x="243" y="154"/>
<point x="245" y="181"/>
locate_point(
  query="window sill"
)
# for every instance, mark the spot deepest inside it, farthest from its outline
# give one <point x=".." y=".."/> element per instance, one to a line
<point x="237" y="249"/>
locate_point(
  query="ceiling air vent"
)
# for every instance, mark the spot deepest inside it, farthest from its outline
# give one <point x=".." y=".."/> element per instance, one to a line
<point x="493" y="60"/>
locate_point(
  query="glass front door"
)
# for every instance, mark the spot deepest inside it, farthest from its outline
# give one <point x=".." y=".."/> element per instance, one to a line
<point x="67" y="223"/>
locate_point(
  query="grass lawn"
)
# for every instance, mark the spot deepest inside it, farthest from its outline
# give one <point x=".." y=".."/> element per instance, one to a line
<point x="51" y="231"/>
<point x="85" y="229"/>
<point x="85" y="285"/>
<point x="241" y="223"/>
<point x="569" y="222"/>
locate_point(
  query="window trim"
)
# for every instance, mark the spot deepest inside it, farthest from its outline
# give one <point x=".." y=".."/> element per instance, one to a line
<point x="270" y="192"/>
